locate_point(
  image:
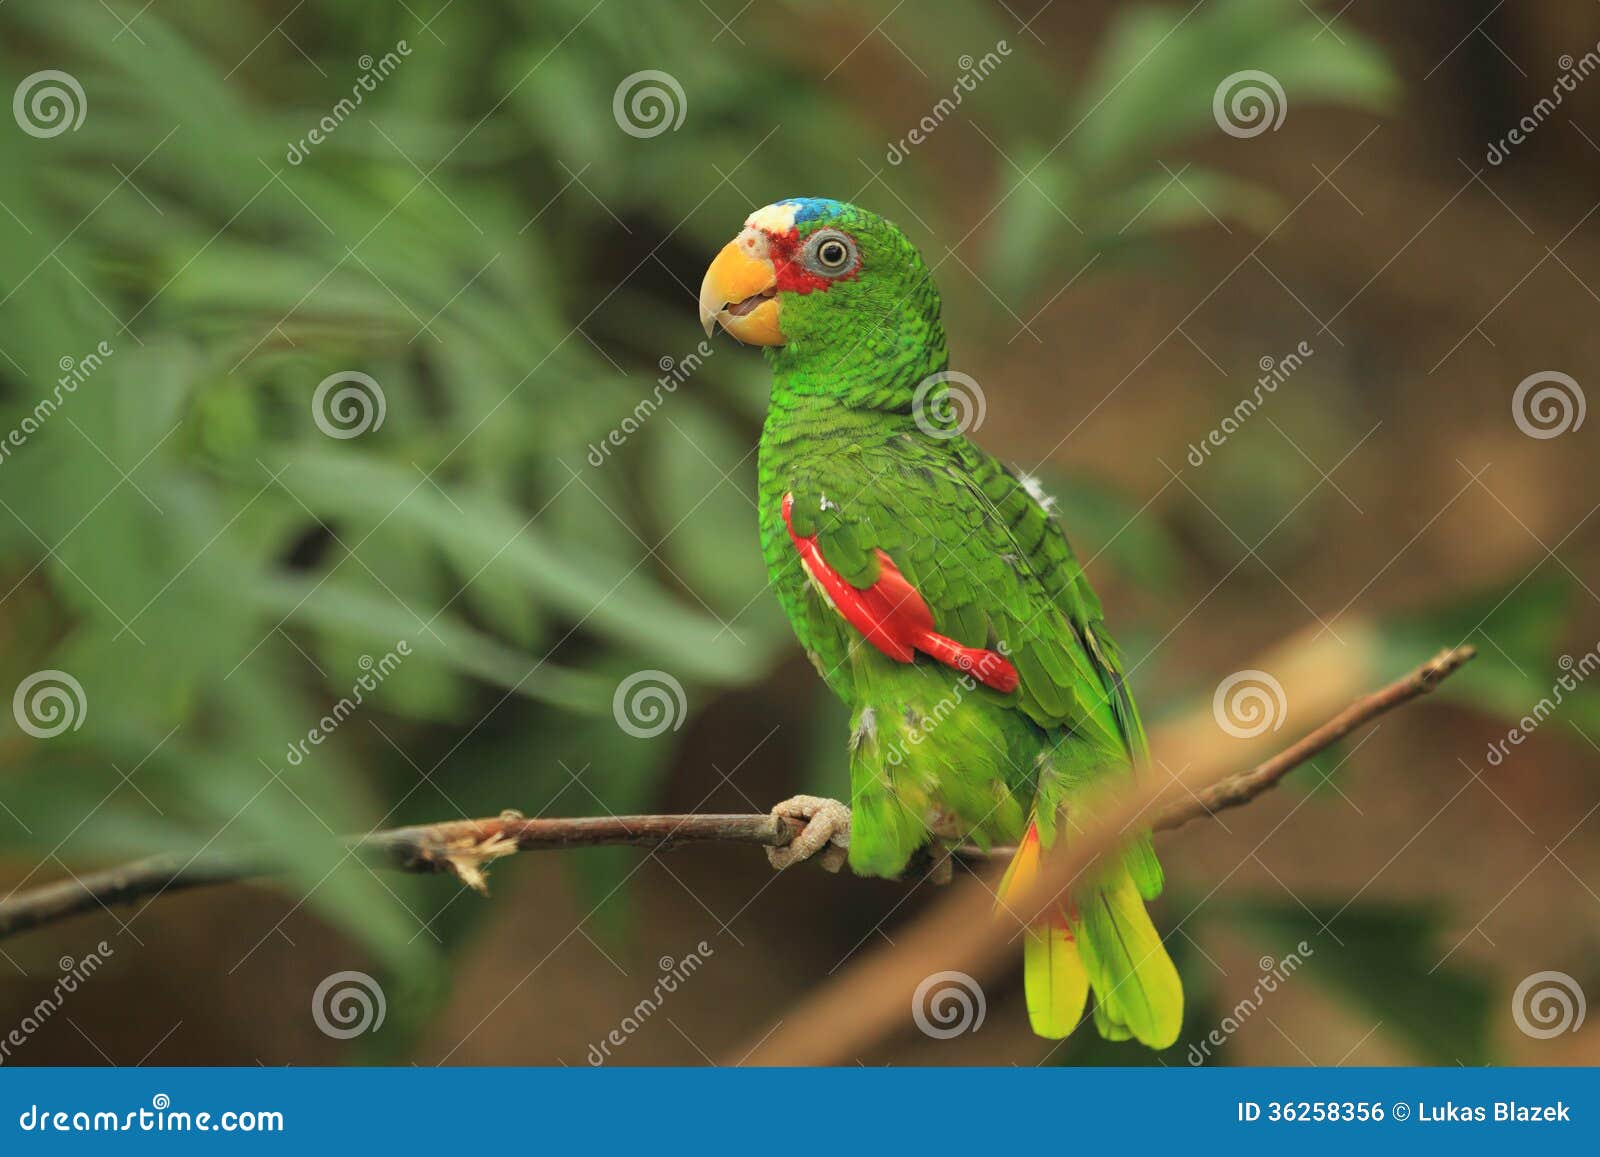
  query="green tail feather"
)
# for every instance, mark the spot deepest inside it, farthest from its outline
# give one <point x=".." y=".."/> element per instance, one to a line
<point x="1108" y="1028"/>
<point x="1136" y="987"/>
<point x="1147" y="874"/>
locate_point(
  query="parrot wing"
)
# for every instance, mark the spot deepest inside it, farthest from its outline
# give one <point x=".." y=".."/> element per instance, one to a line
<point x="949" y="527"/>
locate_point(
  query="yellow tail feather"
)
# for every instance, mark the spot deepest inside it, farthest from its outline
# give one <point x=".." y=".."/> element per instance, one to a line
<point x="1054" y="979"/>
<point x="1110" y="943"/>
<point x="1023" y="869"/>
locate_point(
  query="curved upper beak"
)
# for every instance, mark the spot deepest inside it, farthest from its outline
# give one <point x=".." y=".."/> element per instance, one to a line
<point x="740" y="293"/>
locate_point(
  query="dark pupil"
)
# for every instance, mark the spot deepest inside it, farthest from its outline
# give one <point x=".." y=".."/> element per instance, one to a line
<point x="832" y="253"/>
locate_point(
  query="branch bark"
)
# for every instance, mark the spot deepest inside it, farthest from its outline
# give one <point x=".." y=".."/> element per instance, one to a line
<point x="463" y="848"/>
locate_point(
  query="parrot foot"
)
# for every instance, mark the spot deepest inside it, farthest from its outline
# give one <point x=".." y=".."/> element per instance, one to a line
<point x="827" y="831"/>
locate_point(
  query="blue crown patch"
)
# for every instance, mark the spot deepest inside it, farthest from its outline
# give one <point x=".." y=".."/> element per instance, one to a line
<point x="810" y="208"/>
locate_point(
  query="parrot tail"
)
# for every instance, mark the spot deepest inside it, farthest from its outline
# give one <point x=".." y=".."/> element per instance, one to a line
<point x="1054" y="978"/>
<point x="1105" y="940"/>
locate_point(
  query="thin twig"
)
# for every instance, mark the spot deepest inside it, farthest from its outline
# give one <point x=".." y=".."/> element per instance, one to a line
<point x="1236" y="790"/>
<point x="464" y="847"/>
<point x="459" y="847"/>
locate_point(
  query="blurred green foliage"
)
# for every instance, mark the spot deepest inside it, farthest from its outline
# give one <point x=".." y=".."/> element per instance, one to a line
<point x="481" y="239"/>
<point x="185" y="541"/>
<point x="1153" y="85"/>
<point x="1386" y="962"/>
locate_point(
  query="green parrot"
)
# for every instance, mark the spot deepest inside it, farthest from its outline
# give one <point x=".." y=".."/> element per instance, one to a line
<point x="935" y="593"/>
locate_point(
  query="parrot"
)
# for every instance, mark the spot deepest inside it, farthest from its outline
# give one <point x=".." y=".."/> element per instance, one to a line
<point x="934" y="591"/>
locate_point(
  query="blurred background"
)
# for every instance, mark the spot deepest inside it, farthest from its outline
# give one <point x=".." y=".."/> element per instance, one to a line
<point x="348" y="352"/>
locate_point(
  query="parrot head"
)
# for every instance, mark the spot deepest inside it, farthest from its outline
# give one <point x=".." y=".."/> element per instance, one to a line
<point x="813" y="278"/>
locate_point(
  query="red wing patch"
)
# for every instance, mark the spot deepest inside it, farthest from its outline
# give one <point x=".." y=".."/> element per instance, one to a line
<point x="893" y="617"/>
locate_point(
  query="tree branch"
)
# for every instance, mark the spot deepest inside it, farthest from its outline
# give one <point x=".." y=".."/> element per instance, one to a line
<point x="463" y="848"/>
<point x="459" y="847"/>
<point x="1236" y="790"/>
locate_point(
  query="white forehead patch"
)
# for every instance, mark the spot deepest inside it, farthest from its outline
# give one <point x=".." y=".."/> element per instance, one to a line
<point x="777" y="218"/>
<point x="752" y="241"/>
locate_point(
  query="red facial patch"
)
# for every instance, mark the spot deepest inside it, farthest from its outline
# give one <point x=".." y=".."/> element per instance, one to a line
<point x="793" y="277"/>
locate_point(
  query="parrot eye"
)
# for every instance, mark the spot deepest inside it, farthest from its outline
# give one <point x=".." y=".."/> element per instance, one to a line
<point x="832" y="253"/>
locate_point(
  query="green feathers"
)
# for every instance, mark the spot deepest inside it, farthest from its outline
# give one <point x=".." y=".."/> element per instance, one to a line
<point x="1137" y="991"/>
<point x="1104" y="940"/>
<point x="935" y="756"/>
<point x="867" y="340"/>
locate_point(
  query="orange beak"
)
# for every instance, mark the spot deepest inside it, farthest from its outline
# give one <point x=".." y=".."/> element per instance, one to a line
<point x="740" y="292"/>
